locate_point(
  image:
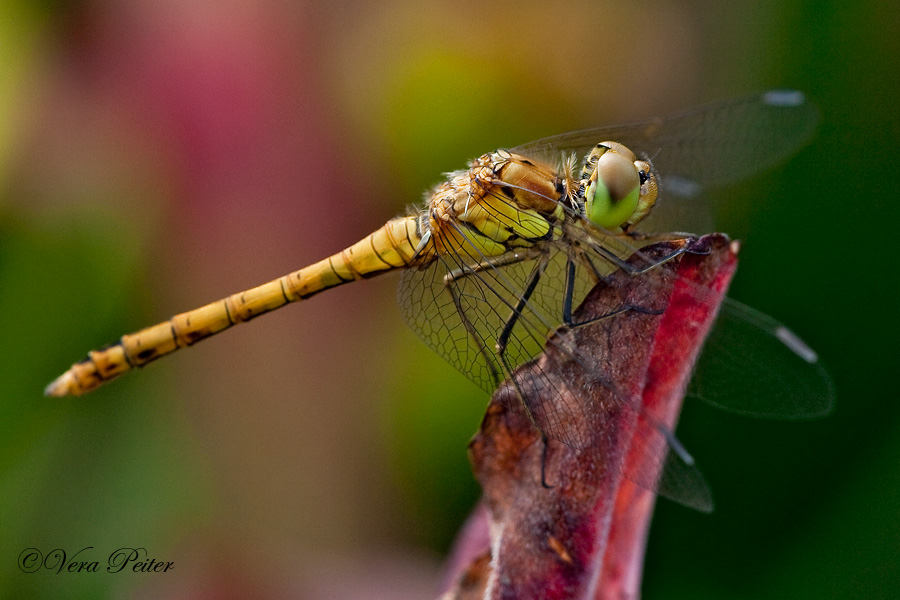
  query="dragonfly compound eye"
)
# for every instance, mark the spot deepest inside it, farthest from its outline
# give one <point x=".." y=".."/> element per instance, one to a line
<point x="614" y="190"/>
<point x="649" y="190"/>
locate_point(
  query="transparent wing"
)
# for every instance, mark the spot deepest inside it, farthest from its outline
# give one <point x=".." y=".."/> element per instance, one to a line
<point x="701" y="148"/>
<point x="754" y="365"/>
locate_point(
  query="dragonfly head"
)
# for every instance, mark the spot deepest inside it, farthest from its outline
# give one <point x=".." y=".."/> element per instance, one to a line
<point x="619" y="190"/>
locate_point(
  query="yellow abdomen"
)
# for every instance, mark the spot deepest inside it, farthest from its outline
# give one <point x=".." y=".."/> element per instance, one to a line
<point x="391" y="247"/>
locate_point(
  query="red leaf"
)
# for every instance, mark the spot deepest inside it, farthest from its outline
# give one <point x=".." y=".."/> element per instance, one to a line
<point x="584" y="536"/>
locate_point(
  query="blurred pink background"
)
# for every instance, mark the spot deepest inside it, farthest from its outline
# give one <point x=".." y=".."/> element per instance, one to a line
<point x="213" y="146"/>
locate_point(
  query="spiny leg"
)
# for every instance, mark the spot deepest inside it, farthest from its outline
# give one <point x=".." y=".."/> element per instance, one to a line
<point x="622" y="264"/>
<point x="544" y="443"/>
<point x="533" y="279"/>
<point x="568" y="299"/>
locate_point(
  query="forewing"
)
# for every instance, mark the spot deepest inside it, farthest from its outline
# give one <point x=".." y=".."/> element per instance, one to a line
<point x="708" y="146"/>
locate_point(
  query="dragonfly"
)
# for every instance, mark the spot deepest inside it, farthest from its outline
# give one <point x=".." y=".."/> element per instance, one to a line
<point x="502" y="253"/>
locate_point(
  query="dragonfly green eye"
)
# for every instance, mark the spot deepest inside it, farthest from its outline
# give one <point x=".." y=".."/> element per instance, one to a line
<point x="614" y="190"/>
<point x="620" y="190"/>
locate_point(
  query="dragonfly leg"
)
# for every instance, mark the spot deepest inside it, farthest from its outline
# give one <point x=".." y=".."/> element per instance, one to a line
<point x="567" y="316"/>
<point x="545" y="442"/>
<point x="533" y="279"/>
<point x="570" y="290"/>
<point x="620" y="263"/>
<point x="490" y="263"/>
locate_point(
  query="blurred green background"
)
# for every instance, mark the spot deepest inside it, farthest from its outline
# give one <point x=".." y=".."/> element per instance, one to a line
<point x="155" y="156"/>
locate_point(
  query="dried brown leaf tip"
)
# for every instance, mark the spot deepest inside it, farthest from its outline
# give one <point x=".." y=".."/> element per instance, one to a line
<point x="568" y="513"/>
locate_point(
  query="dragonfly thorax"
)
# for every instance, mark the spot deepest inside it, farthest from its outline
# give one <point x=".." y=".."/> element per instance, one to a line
<point x="529" y="184"/>
<point x="619" y="190"/>
<point x="502" y="202"/>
